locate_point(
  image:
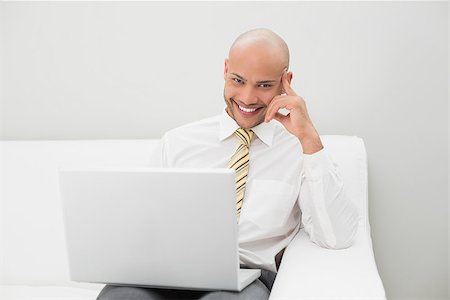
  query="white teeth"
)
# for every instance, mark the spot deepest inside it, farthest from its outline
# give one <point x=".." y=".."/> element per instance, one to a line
<point x="249" y="110"/>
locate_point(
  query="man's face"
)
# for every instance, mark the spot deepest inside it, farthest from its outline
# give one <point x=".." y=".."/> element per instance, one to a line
<point x="252" y="78"/>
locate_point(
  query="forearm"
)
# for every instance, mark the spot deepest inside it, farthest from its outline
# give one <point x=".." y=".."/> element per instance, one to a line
<point x="328" y="215"/>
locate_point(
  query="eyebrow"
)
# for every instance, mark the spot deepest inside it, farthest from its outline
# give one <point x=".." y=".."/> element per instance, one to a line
<point x="258" y="82"/>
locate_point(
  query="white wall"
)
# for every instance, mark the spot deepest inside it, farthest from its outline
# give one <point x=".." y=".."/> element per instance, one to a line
<point x="134" y="70"/>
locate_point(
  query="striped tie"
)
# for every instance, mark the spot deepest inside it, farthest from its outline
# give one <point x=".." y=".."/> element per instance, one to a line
<point x="239" y="162"/>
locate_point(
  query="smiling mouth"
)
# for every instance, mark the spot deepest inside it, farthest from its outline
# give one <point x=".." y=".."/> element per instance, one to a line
<point x="249" y="110"/>
<point x="246" y="110"/>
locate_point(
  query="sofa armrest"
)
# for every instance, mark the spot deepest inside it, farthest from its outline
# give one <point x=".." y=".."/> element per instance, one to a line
<point x="308" y="271"/>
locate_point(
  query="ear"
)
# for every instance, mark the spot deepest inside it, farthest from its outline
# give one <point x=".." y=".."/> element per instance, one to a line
<point x="289" y="77"/>
<point x="225" y="69"/>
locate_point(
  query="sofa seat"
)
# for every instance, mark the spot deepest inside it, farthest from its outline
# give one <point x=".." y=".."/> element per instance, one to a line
<point x="25" y="292"/>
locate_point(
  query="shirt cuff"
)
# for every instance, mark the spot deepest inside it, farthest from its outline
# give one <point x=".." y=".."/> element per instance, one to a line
<point x="317" y="164"/>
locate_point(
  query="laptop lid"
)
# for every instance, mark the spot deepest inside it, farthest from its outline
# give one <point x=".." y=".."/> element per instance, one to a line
<point x="151" y="226"/>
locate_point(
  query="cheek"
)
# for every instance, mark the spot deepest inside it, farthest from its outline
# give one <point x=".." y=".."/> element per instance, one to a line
<point x="230" y="91"/>
<point x="267" y="98"/>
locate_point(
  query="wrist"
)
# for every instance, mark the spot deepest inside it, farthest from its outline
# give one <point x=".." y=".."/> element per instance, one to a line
<point x="311" y="143"/>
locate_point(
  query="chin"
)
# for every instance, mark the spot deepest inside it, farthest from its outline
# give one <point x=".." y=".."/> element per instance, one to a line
<point x="240" y="120"/>
<point x="248" y="123"/>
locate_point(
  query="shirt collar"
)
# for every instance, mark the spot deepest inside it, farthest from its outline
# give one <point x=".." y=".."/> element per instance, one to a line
<point x="228" y="126"/>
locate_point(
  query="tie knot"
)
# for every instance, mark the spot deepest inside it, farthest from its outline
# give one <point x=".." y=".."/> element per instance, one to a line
<point x="244" y="135"/>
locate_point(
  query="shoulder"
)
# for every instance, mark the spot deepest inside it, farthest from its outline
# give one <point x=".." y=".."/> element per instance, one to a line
<point x="182" y="144"/>
<point x="201" y="129"/>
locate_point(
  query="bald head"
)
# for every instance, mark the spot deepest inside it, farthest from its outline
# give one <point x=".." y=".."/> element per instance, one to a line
<point x="264" y="38"/>
<point x="253" y="74"/>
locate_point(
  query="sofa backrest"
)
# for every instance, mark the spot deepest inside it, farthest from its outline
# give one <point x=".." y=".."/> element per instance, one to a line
<point x="32" y="242"/>
<point x="32" y="233"/>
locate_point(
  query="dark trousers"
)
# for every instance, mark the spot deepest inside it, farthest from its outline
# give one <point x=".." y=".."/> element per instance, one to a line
<point x="258" y="289"/>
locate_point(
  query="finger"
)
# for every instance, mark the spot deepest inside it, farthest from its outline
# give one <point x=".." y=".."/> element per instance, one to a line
<point x="272" y="109"/>
<point x="276" y="105"/>
<point x="281" y="118"/>
<point x="269" y="110"/>
<point x="286" y="85"/>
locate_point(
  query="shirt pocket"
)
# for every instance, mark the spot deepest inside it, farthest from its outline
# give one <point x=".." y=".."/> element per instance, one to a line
<point x="268" y="203"/>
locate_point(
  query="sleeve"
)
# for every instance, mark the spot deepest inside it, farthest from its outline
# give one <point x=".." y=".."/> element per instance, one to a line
<point x="328" y="215"/>
<point x="158" y="155"/>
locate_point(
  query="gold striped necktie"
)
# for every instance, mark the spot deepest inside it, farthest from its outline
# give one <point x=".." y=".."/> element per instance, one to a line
<point x="240" y="163"/>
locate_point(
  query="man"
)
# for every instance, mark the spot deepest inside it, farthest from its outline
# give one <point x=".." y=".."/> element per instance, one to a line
<point x="285" y="178"/>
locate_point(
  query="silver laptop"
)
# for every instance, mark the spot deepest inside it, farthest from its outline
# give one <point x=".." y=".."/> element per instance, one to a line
<point x="164" y="228"/>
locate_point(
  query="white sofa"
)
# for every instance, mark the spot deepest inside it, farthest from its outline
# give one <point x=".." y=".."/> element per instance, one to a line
<point x="33" y="259"/>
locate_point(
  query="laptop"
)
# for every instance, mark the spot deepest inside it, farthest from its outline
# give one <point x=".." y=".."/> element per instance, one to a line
<point x="153" y="227"/>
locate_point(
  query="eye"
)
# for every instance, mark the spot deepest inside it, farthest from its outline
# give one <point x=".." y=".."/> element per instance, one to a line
<point x="237" y="80"/>
<point x="265" y="85"/>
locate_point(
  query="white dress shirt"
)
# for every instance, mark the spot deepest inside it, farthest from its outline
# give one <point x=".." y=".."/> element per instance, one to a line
<point x="285" y="190"/>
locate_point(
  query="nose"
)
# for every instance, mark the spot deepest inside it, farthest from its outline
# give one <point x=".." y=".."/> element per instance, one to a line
<point x="248" y="96"/>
